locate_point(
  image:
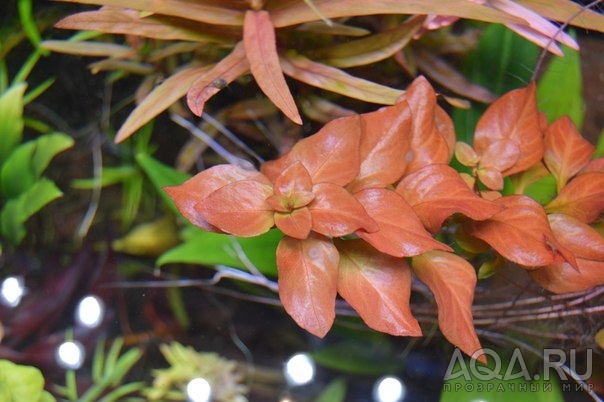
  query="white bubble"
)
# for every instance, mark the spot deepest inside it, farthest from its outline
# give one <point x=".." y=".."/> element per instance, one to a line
<point x="199" y="390"/>
<point x="90" y="311"/>
<point x="12" y="291"/>
<point x="389" y="389"/>
<point x="70" y="355"/>
<point x="299" y="369"/>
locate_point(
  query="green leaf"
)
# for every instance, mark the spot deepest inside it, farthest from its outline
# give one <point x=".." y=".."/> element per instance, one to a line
<point x="334" y="392"/>
<point x="356" y="358"/>
<point x="161" y="176"/>
<point x="560" y="89"/>
<point x="206" y="248"/>
<point x="20" y="383"/>
<point x="18" y="210"/>
<point x="11" y="119"/>
<point x="110" y="176"/>
<point x="27" y="162"/>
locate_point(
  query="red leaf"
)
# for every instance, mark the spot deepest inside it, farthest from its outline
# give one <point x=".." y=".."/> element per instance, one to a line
<point x="452" y="281"/>
<point x="384" y="138"/>
<point x="194" y="190"/>
<point x="401" y="233"/>
<point x="308" y="275"/>
<point x="566" y="152"/>
<point x="428" y="145"/>
<point x="378" y="287"/>
<point x="239" y="208"/>
<point x="335" y="212"/>
<point x="513" y="118"/>
<point x="520" y="232"/>
<point x="437" y="191"/>
<point x="223" y="73"/>
<point x="261" y="51"/>
<point x="331" y="155"/>
<point x="296" y="224"/>
<point x="582" y="198"/>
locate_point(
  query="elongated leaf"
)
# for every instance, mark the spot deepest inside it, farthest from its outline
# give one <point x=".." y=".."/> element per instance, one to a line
<point x="11" y="119"/>
<point x="512" y="118"/>
<point x="564" y="10"/>
<point x="369" y="49"/>
<point x="159" y="99"/>
<point x="308" y="275"/>
<point x="176" y="8"/>
<point x="435" y="192"/>
<point x="330" y="156"/>
<point x="520" y="232"/>
<point x="335" y="212"/>
<point x="378" y="287"/>
<point x="87" y="48"/>
<point x="18" y="210"/>
<point x="401" y="233"/>
<point x="294" y="13"/>
<point x="566" y="152"/>
<point x="213" y="80"/>
<point x="582" y="198"/>
<point x="261" y="52"/>
<point x="384" y="138"/>
<point x="161" y="175"/>
<point x="452" y="281"/>
<point x="335" y="80"/>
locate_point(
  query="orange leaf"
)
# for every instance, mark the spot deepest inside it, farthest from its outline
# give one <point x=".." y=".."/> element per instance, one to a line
<point x="513" y="118"/>
<point x="331" y="155"/>
<point x="452" y="281"/>
<point x="401" y="233"/>
<point x="520" y="232"/>
<point x="384" y="138"/>
<point x="428" y="145"/>
<point x="491" y="178"/>
<point x="296" y="224"/>
<point x="197" y="188"/>
<point x="561" y="277"/>
<point x="596" y="165"/>
<point x="378" y="287"/>
<point x="212" y="81"/>
<point x="583" y="240"/>
<point x="566" y="152"/>
<point x="239" y="208"/>
<point x="466" y="155"/>
<point x="308" y="275"/>
<point x="292" y="180"/>
<point x="437" y="191"/>
<point x="261" y="51"/>
<point x="335" y="212"/>
<point x="582" y="198"/>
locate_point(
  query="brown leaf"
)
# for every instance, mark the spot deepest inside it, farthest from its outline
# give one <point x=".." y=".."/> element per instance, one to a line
<point x="437" y="191"/>
<point x="213" y="80"/>
<point x="566" y="152"/>
<point x="87" y="48"/>
<point x="261" y="52"/>
<point x="582" y="198"/>
<point x="564" y="10"/>
<point x="158" y="100"/>
<point x="401" y="233"/>
<point x="520" y="232"/>
<point x="308" y="275"/>
<point x="378" y="287"/>
<point x="452" y="281"/>
<point x="514" y="119"/>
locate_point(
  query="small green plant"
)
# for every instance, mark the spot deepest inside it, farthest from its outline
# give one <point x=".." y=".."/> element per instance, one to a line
<point x="22" y="383"/>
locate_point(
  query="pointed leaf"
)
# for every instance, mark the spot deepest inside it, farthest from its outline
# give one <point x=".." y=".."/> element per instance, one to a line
<point x="452" y="281"/>
<point x="378" y="287"/>
<point x="335" y="80"/>
<point x="335" y="212"/>
<point x="384" y="138"/>
<point x="261" y="52"/>
<point x="308" y="275"/>
<point x="296" y="224"/>
<point x="566" y="152"/>
<point x="159" y="99"/>
<point x="512" y="118"/>
<point x="564" y="10"/>
<point x="239" y="208"/>
<point x="87" y="48"/>
<point x="187" y="195"/>
<point x="520" y="232"/>
<point x="292" y="180"/>
<point x="437" y="191"/>
<point x="466" y="155"/>
<point x="582" y="198"/>
<point x="330" y="156"/>
<point x="428" y="145"/>
<point x="401" y="233"/>
<point x="211" y="81"/>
